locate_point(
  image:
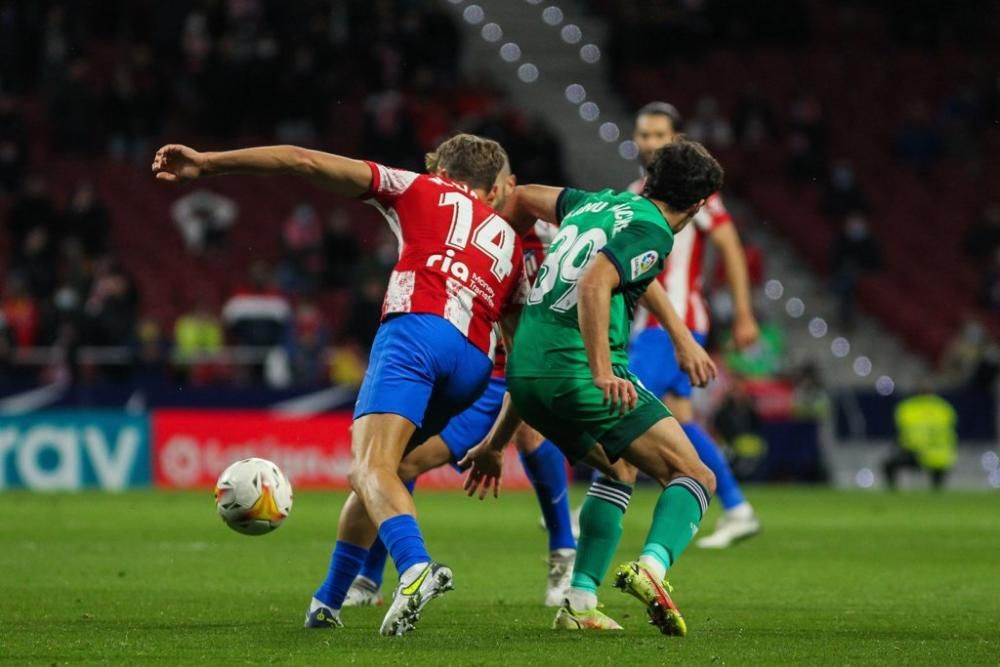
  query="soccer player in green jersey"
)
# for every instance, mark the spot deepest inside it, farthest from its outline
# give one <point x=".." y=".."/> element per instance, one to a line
<point x="568" y="375"/>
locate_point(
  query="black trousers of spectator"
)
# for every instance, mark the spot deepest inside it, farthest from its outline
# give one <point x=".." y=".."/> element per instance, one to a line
<point x="905" y="459"/>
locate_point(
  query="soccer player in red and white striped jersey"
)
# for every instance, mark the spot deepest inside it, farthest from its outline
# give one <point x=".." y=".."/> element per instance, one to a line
<point x="460" y="272"/>
<point x="651" y="352"/>
<point x="458" y="258"/>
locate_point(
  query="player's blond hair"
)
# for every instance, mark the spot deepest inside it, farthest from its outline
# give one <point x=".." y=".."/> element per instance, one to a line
<point x="469" y="159"/>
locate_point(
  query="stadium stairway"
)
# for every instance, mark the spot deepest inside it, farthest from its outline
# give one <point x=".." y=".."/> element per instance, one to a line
<point x="595" y="162"/>
<point x="888" y="355"/>
<point x="592" y="162"/>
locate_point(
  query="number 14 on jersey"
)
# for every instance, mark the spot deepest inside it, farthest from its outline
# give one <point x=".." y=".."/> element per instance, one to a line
<point x="494" y="237"/>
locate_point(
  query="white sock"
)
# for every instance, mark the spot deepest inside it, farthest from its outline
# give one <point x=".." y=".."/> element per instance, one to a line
<point x="580" y="600"/>
<point x="742" y="511"/>
<point x="654" y="565"/>
<point x="562" y="553"/>
<point x="412" y="572"/>
<point x="315" y="604"/>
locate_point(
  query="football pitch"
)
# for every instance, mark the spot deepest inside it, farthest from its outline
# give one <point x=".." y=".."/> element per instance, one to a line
<point x="835" y="578"/>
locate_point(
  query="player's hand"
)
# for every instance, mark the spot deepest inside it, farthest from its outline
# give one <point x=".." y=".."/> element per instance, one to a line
<point x="619" y="394"/>
<point x="745" y="331"/>
<point x="694" y="360"/>
<point x="176" y="163"/>
<point x="485" y="464"/>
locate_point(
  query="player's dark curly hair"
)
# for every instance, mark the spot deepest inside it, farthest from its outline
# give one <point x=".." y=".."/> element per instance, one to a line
<point x="469" y="159"/>
<point x="681" y="174"/>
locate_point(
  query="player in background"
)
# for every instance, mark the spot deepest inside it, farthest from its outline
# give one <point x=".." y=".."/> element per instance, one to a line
<point x="568" y="375"/>
<point x="543" y="462"/>
<point x="652" y="356"/>
<point x="459" y="274"/>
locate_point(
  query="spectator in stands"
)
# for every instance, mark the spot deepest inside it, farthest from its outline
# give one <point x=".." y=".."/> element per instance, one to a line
<point x="111" y="310"/>
<point x="926" y="437"/>
<point x="813" y="403"/>
<point x="152" y="353"/>
<point x="964" y="352"/>
<point x="708" y="126"/>
<point x="304" y="102"/>
<point x="20" y="311"/>
<point x="13" y="146"/>
<point x="390" y="134"/>
<point x="962" y="115"/>
<point x="58" y="41"/>
<point x="132" y="107"/>
<point x="810" y="399"/>
<point x="197" y="338"/>
<point x="808" y="138"/>
<point x="377" y="262"/>
<point x="917" y="141"/>
<point x="302" y="266"/>
<point x="36" y="260"/>
<point x="753" y="119"/>
<point x="855" y="252"/>
<point x="75" y="276"/>
<point x="204" y="217"/>
<point x="347" y="365"/>
<point x="307" y="346"/>
<point x="258" y="314"/>
<point x="982" y="238"/>
<point x="31" y="209"/>
<point x="87" y="221"/>
<point x="75" y="112"/>
<point x="738" y="425"/>
<point x="340" y="250"/>
<point x="843" y="194"/>
<point x="366" y="310"/>
<point x="806" y="115"/>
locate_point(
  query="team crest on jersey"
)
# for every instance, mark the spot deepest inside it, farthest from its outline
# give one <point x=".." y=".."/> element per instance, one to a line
<point x="643" y="263"/>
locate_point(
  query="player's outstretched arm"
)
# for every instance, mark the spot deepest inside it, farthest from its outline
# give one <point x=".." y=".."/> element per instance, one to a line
<point x="531" y="203"/>
<point x="691" y="357"/>
<point x="594" y="315"/>
<point x="727" y="240"/>
<point x="345" y="176"/>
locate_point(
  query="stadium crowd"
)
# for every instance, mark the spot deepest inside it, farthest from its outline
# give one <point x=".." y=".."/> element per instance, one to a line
<point x="103" y="86"/>
<point x="855" y="121"/>
<point x="90" y="93"/>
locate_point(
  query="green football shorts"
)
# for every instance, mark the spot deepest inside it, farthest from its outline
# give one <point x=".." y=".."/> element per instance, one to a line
<point x="571" y="413"/>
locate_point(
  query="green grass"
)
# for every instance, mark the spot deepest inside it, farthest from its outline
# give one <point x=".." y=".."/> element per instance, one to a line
<point x="836" y="578"/>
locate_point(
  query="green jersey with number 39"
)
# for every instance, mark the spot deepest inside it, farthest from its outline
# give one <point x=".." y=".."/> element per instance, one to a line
<point x="633" y="234"/>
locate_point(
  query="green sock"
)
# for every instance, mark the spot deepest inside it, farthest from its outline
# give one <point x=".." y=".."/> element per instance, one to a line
<point x="600" y="532"/>
<point x="676" y="518"/>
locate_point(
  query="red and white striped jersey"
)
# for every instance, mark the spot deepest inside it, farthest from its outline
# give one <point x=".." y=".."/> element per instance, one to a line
<point x="457" y="257"/>
<point x="682" y="274"/>
<point x="535" y="241"/>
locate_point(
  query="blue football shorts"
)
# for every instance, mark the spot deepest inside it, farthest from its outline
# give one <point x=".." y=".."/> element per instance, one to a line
<point x="468" y="429"/>
<point x="652" y="360"/>
<point x="422" y="368"/>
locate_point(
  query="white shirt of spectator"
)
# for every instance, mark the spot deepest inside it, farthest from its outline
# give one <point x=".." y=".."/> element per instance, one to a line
<point x="197" y="212"/>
